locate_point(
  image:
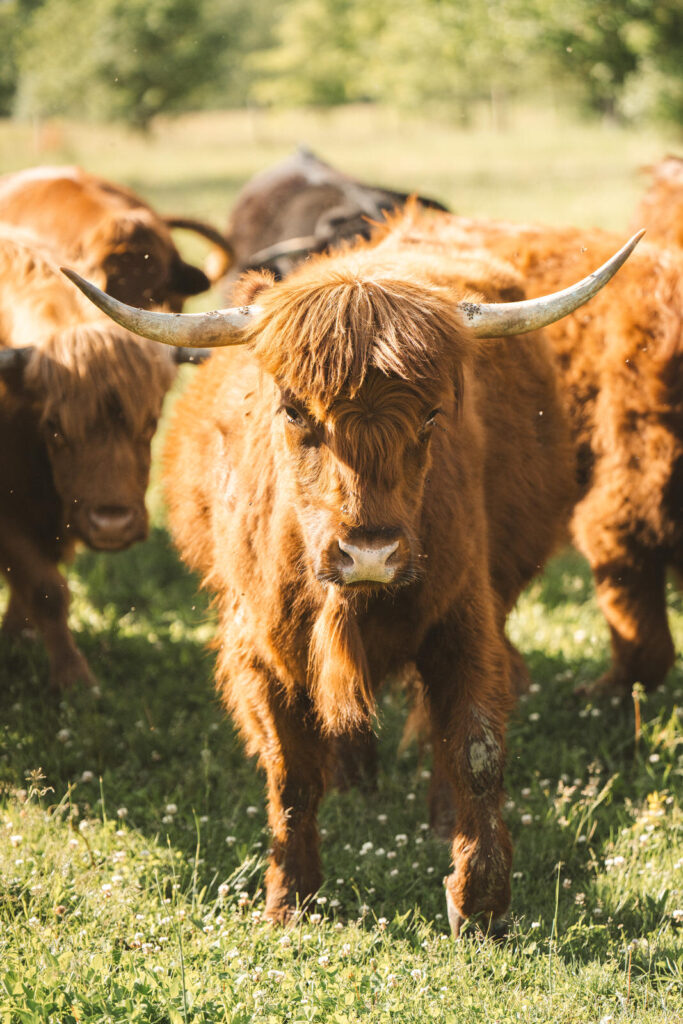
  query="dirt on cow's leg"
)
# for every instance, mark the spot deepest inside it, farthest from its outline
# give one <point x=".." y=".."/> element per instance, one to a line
<point x="41" y="593"/>
<point x="466" y="673"/>
<point x="632" y="599"/>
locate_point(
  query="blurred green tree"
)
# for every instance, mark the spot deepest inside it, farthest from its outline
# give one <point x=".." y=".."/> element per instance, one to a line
<point x="132" y="59"/>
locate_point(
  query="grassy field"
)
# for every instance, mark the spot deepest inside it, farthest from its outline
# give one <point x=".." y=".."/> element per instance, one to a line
<point x="132" y="841"/>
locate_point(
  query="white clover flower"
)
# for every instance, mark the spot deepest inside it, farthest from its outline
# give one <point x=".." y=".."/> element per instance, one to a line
<point x="321" y="900"/>
<point x="596" y="712"/>
<point x="382" y="923"/>
<point x="324" y="959"/>
<point x="276" y="975"/>
<point x="535" y="924"/>
<point x="340" y="881"/>
<point x="63" y="735"/>
<point x="382" y="819"/>
<point x="534" y="716"/>
<point x="346" y="949"/>
<point x="526" y="792"/>
<point x="122" y="812"/>
<point x="106" y="888"/>
<point x="526" y="819"/>
<point x="334" y="904"/>
<point x="401" y="839"/>
<point x="566" y="883"/>
<point x="73" y="843"/>
<point x="223" y="889"/>
<point x="167" y="819"/>
<point x="16" y="840"/>
<point x="391" y="854"/>
<point x="393" y="872"/>
<point x="535" y="688"/>
<point x="653" y="758"/>
<point x="380" y="852"/>
<point x="87" y="776"/>
<point x="171" y="808"/>
<point x="230" y="840"/>
<point x="32" y="922"/>
<point x="83" y="825"/>
<point x="251" y="811"/>
<point x="425" y="773"/>
<point x="410" y="797"/>
<point x="315" y="918"/>
<point x="416" y="973"/>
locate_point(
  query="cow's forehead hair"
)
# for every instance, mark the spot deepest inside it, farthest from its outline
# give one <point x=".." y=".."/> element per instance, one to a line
<point x="86" y="372"/>
<point x="336" y="318"/>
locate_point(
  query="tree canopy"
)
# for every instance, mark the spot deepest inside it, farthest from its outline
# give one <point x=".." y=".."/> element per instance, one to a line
<point x="132" y="59"/>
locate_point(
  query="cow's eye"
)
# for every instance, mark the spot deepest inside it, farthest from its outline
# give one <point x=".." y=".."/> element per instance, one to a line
<point x="294" y="416"/>
<point x="431" y="419"/>
<point x="54" y="432"/>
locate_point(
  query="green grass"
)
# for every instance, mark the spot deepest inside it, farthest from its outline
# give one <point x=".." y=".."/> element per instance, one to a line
<point x="131" y="873"/>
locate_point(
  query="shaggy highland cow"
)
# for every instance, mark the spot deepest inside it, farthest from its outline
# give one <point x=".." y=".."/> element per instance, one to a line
<point x="79" y="402"/>
<point x="362" y="484"/>
<point x="661" y="208"/>
<point x="619" y="362"/>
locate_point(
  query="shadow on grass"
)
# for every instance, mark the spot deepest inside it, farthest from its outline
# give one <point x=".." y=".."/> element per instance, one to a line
<point x="167" y="754"/>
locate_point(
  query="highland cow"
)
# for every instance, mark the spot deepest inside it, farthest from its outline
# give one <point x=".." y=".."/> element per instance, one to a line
<point x="619" y="363"/>
<point x="661" y="208"/>
<point x="363" y="484"/>
<point x="79" y="402"/>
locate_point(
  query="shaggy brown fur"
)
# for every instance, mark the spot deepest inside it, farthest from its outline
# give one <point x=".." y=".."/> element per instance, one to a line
<point x="661" y="209"/>
<point x="105" y="230"/>
<point x="619" y="362"/>
<point x="363" y="413"/>
<point x="76" y="422"/>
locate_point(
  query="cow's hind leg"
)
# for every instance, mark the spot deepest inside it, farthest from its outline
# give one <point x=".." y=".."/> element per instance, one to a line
<point x="468" y="699"/>
<point x="632" y="598"/>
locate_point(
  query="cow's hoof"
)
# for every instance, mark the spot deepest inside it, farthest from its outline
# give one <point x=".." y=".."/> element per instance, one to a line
<point x="483" y="926"/>
<point x="606" y="686"/>
<point x="72" y="671"/>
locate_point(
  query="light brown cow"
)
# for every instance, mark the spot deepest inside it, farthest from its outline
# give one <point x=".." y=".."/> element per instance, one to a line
<point x="620" y="368"/>
<point x="79" y="402"/>
<point x="367" y="483"/>
<point x="661" y="208"/>
<point x="107" y="231"/>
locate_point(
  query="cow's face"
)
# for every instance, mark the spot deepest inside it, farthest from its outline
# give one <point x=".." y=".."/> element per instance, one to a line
<point x="359" y="467"/>
<point x="102" y="481"/>
<point x="97" y="393"/>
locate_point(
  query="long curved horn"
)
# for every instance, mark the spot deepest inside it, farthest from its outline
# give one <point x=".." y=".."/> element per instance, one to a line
<point x="189" y="330"/>
<point x="14" y="358"/>
<point x="499" y="319"/>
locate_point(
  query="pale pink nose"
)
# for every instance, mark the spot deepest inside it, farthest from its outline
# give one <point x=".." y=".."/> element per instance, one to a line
<point x="111" y="519"/>
<point x="369" y="562"/>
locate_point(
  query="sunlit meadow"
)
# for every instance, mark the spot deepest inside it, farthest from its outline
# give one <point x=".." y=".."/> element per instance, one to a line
<point x="132" y="827"/>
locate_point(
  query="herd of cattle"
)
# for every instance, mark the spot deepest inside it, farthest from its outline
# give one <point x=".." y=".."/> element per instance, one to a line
<point x="408" y="411"/>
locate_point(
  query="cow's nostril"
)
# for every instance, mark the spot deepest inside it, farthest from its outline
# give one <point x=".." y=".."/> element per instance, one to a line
<point x="345" y="556"/>
<point x="370" y="563"/>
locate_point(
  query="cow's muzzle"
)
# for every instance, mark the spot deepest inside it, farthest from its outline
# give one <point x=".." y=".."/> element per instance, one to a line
<point x="114" y="527"/>
<point x="374" y="558"/>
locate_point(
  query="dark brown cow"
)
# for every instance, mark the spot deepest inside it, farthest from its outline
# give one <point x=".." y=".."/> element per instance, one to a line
<point x="620" y="367"/>
<point x="107" y="231"/>
<point x="363" y="485"/>
<point x="300" y="206"/>
<point x="79" y="402"/>
<point x="661" y="209"/>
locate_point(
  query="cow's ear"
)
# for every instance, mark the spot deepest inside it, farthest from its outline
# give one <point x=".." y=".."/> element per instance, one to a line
<point x="249" y="285"/>
<point x="188" y="280"/>
<point x="13" y="362"/>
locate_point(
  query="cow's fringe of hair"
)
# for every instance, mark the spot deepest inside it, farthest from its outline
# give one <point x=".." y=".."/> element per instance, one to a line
<point x="81" y="370"/>
<point x="338" y="670"/>
<point x="332" y="320"/>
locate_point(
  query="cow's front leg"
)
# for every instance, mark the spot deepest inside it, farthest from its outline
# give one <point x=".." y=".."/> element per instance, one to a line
<point x="40" y="595"/>
<point x="465" y="670"/>
<point x="296" y="758"/>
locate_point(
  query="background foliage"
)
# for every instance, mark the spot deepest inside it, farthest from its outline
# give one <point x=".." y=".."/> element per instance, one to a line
<point x="131" y="59"/>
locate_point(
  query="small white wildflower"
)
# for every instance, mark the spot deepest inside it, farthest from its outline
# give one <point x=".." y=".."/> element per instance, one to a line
<point x="251" y="811"/>
<point x="106" y="888"/>
<point x="346" y="949"/>
<point x="167" y="819"/>
<point x="526" y="792"/>
<point x="63" y="735"/>
<point x="595" y="712"/>
<point x="653" y="758"/>
<point x="73" y="843"/>
<point x="324" y="959"/>
<point x="425" y="773"/>
<point x="391" y="854"/>
<point x="315" y="918"/>
<point x="566" y="883"/>
<point x="416" y="973"/>
<point x="230" y="840"/>
<point x="401" y="839"/>
<point x="171" y="808"/>
<point x="526" y="819"/>
<point x="32" y="922"/>
<point x="83" y="825"/>
<point x="321" y="900"/>
<point x="410" y="797"/>
<point x="382" y="923"/>
<point x="382" y="819"/>
<point x="276" y="975"/>
<point x="223" y="890"/>
<point x="393" y="872"/>
<point x="518" y="874"/>
<point x="380" y="852"/>
<point x="535" y="924"/>
<point x="535" y="688"/>
<point x="87" y="776"/>
<point x="677" y="916"/>
<point x="534" y="716"/>
<point x="334" y="904"/>
<point x="16" y="840"/>
<point x="122" y="812"/>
